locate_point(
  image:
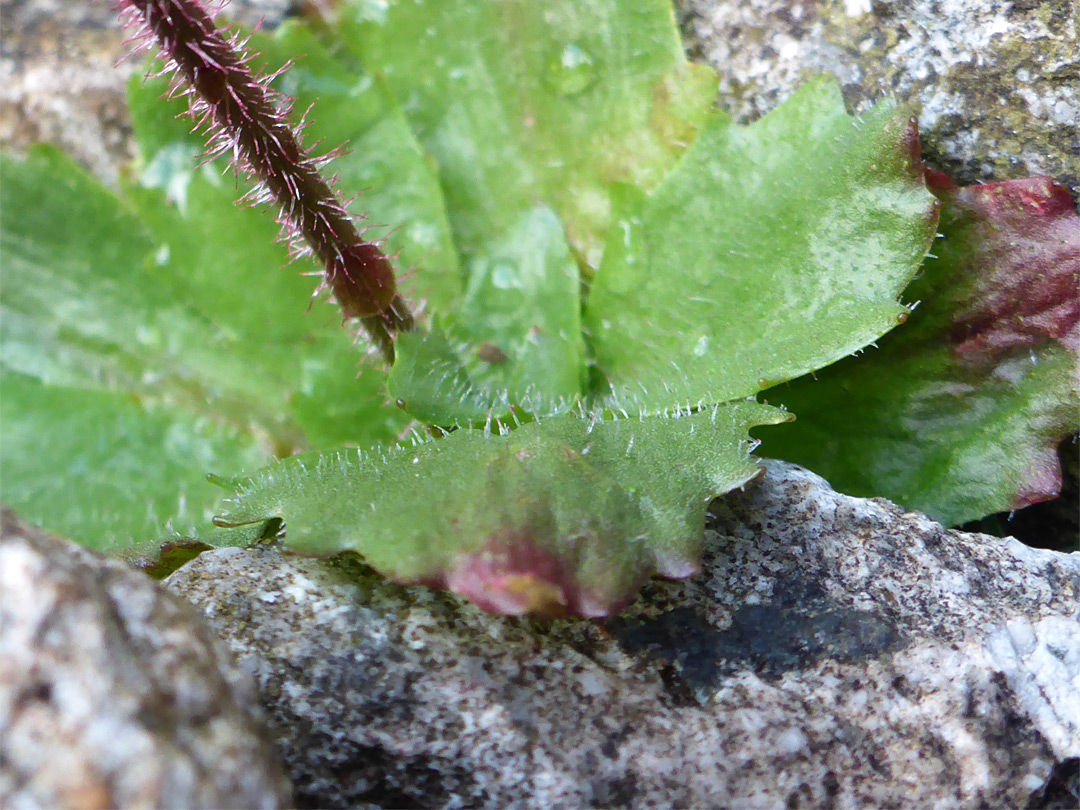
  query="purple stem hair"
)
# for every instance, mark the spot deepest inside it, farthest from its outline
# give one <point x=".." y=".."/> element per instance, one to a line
<point x="244" y="117"/>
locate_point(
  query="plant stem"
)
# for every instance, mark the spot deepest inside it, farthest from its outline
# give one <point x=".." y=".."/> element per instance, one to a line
<point x="247" y="119"/>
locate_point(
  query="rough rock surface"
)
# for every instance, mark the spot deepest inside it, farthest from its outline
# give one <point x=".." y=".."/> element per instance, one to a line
<point x="114" y="693"/>
<point x="996" y="82"/>
<point x="836" y="652"/>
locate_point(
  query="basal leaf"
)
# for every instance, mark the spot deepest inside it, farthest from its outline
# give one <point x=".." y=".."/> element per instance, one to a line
<point x="770" y="251"/>
<point x="531" y="112"/>
<point x="172" y="298"/>
<point x="116" y="394"/>
<point x="521" y="102"/>
<point x="960" y="411"/>
<point x="560" y="515"/>
<point x="106" y="470"/>
<point x="83" y="304"/>
<point x="515" y="339"/>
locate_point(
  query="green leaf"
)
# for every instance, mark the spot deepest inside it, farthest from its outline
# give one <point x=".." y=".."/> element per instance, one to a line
<point x="115" y="394"/>
<point x="107" y="471"/>
<point x="531" y="112"/>
<point x="515" y="339"/>
<point x="960" y="412"/>
<point x="87" y="301"/>
<point x="561" y="515"/>
<point x="522" y="102"/>
<point x="172" y="297"/>
<point x="770" y="251"/>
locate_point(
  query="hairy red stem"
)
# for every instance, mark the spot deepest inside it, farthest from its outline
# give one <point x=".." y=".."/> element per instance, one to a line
<point x="246" y="119"/>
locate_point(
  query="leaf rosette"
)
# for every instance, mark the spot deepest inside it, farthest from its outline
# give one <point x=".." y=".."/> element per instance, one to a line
<point x="606" y="269"/>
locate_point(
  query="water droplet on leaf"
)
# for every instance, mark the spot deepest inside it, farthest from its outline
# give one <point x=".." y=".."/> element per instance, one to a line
<point x="372" y="11"/>
<point x="570" y="71"/>
<point x="504" y="275"/>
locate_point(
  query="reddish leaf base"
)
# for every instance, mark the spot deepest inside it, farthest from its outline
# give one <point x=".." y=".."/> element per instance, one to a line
<point x="513" y="576"/>
<point x="1024" y="293"/>
<point x="1026" y="236"/>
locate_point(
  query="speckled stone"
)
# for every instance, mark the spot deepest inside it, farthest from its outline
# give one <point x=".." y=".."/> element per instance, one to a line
<point x="836" y="652"/>
<point x="996" y="82"/>
<point x="114" y="693"/>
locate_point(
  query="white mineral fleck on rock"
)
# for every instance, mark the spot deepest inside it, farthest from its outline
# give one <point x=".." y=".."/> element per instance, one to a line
<point x="1042" y="664"/>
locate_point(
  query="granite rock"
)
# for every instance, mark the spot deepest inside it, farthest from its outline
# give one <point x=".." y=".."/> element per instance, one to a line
<point x="114" y="693"/>
<point x="835" y="652"/>
<point x="996" y="82"/>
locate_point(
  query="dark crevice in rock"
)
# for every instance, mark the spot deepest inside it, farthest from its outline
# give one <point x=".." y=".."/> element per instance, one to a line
<point x="614" y="792"/>
<point x="1052" y="524"/>
<point x="370" y="774"/>
<point x="1062" y="789"/>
